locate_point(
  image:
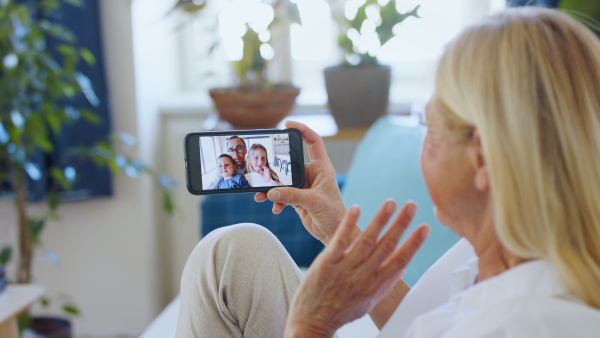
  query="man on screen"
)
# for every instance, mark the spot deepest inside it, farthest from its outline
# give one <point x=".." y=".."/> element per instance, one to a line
<point x="236" y="148"/>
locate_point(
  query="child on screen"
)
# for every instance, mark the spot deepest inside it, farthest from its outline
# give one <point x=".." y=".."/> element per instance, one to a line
<point x="259" y="173"/>
<point x="226" y="166"/>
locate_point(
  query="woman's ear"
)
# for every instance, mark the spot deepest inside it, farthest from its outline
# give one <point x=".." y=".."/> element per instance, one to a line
<point x="482" y="181"/>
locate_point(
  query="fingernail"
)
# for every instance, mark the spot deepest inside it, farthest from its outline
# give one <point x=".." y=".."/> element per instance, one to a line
<point x="390" y="207"/>
<point x="274" y="195"/>
<point x="425" y="232"/>
<point x="353" y="210"/>
<point x="412" y="210"/>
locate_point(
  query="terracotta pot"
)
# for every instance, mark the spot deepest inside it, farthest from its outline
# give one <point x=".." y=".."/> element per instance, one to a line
<point x="357" y="96"/>
<point x="253" y="109"/>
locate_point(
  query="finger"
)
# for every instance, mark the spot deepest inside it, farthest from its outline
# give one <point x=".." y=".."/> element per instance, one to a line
<point x="402" y="256"/>
<point x="387" y="244"/>
<point x="278" y="208"/>
<point x="367" y="242"/>
<point x="342" y="238"/>
<point x="291" y="196"/>
<point x="381" y="218"/>
<point x="314" y="142"/>
<point x="260" y="197"/>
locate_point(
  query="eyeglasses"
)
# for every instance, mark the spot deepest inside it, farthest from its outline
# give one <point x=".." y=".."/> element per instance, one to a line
<point x="237" y="149"/>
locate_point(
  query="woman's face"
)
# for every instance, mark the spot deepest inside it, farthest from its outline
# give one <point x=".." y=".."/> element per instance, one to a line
<point x="259" y="159"/>
<point x="446" y="163"/>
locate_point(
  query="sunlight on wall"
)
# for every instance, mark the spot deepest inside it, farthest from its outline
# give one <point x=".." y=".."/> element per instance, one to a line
<point x="411" y="53"/>
<point x="312" y="41"/>
<point x="234" y="21"/>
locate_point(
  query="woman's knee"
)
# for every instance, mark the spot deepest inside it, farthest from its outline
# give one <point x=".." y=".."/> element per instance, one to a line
<point x="241" y="241"/>
<point x="241" y="235"/>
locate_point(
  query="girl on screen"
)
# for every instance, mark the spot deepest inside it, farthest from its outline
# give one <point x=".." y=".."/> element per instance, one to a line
<point x="259" y="173"/>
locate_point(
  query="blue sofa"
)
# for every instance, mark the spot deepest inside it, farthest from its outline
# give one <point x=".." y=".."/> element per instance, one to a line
<point x="385" y="165"/>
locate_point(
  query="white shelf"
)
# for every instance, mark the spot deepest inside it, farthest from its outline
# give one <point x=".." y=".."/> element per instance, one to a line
<point x="13" y="301"/>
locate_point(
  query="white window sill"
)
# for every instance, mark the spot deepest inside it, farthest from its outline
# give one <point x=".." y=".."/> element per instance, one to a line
<point x="185" y="103"/>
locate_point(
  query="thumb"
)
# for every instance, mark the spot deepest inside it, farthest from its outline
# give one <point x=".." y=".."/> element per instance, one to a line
<point x="292" y="196"/>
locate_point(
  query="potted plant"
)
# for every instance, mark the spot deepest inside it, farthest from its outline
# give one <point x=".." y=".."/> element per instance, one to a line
<point x="254" y="101"/>
<point x="358" y="88"/>
<point x="39" y="79"/>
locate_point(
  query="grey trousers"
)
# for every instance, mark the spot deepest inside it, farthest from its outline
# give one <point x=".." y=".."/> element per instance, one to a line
<point x="238" y="282"/>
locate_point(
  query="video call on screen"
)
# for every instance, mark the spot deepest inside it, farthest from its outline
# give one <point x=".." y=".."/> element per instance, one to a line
<point x="245" y="161"/>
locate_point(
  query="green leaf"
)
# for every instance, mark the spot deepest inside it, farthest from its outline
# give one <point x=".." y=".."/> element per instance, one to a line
<point x="24" y="321"/>
<point x="54" y="122"/>
<point x="61" y="32"/>
<point x="45" y="302"/>
<point x="76" y="3"/>
<point x="37" y="133"/>
<point x="53" y="201"/>
<point x="71" y="309"/>
<point x="67" y="50"/>
<point x="87" y="56"/>
<point x="58" y="176"/>
<point x="52" y="216"/>
<point x="49" y="5"/>
<point x="5" y="255"/>
<point x="90" y="116"/>
<point x="69" y="91"/>
<point x="36" y="225"/>
<point x="168" y="205"/>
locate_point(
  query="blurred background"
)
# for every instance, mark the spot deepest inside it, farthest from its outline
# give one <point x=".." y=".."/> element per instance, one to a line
<point x="121" y="258"/>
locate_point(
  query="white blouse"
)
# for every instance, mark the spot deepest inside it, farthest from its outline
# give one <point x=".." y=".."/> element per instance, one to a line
<point x="255" y="180"/>
<point x="528" y="300"/>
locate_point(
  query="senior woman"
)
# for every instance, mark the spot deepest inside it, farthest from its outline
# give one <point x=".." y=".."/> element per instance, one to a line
<point x="511" y="160"/>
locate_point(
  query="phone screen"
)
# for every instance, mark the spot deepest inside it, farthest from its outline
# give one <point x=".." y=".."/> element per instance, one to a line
<point x="244" y="161"/>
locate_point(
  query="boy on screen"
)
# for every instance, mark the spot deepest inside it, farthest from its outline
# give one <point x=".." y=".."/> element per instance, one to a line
<point x="227" y="167"/>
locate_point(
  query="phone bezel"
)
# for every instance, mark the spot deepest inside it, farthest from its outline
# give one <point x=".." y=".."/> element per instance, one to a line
<point x="191" y="147"/>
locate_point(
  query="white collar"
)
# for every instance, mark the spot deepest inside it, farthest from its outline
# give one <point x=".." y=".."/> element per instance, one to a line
<point x="535" y="277"/>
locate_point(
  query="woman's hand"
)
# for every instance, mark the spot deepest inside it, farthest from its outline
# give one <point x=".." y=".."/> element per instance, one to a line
<point x="351" y="276"/>
<point x="319" y="203"/>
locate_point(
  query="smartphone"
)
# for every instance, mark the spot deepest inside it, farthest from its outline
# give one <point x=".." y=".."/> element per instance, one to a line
<point x="221" y="162"/>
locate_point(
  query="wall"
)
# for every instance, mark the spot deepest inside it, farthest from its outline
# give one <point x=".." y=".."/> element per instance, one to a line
<point x="156" y="51"/>
<point x="107" y="247"/>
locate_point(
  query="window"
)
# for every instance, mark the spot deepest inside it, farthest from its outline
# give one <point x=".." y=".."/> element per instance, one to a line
<point x="412" y="53"/>
<point x="208" y="160"/>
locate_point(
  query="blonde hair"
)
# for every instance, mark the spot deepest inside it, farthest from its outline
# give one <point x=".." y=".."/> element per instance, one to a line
<point x="528" y="80"/>
<point x="251" y="168"/>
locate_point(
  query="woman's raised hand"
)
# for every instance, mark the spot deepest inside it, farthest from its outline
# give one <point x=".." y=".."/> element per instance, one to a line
<point x="319" y="203"/>
<point x="351" y="276"/>
<point x="266" y="174"/>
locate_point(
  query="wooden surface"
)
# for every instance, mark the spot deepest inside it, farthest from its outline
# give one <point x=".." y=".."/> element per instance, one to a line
<point x="13" y="301"/>
<point x="350" y="133"/>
